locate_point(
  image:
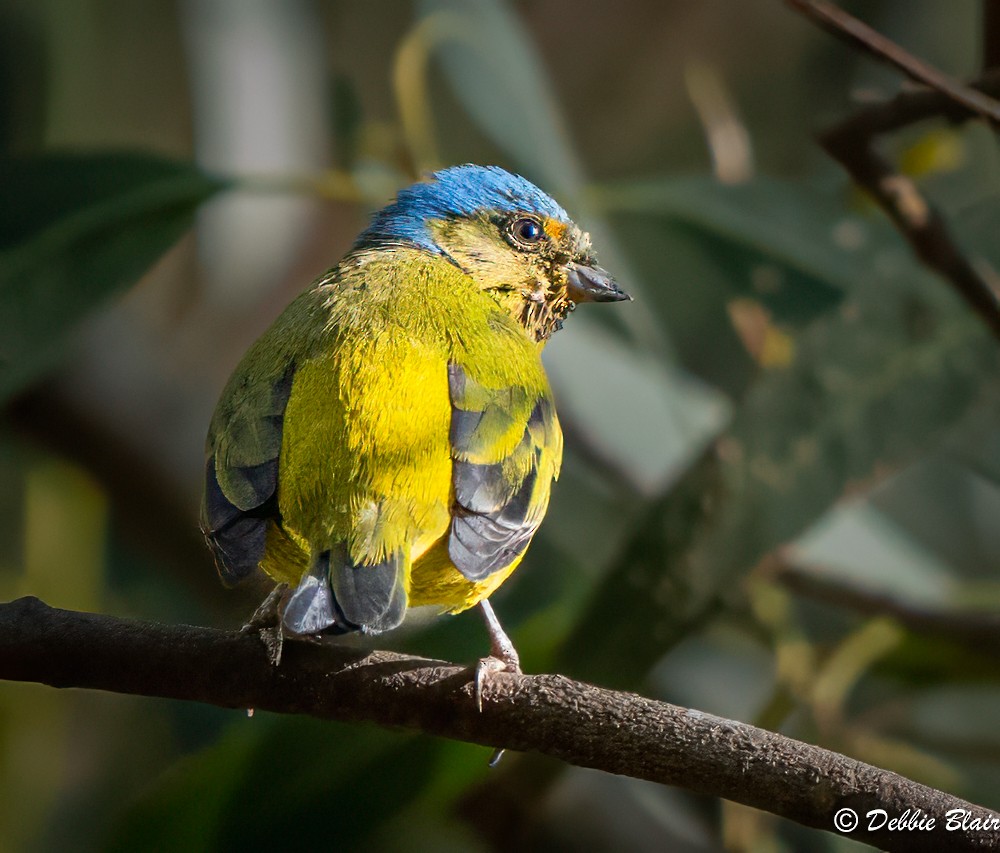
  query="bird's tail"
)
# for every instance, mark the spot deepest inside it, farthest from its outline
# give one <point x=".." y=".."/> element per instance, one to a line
<point x="336" y="596"/>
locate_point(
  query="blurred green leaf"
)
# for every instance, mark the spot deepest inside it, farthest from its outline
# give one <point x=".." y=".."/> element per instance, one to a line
<point x="75" y="229"/>
<point x="722" y="670"/>
<point x="955" y="722"/>
<point x="647" y="421"/>
<point x="793" y="247"/>
<point x="870" y="388"/>
<point x="922" y="661"/>
<point x="182" y="809"/>
<point x="498" y="77"/>
<point x="690" y="299"/>
<point x="975" y="230"/>
<point x="978" y="454"/>
<point x="778" y="253"/>
<point x="960" y="532"/>
<point x="281" y="783"/>
<point x="860" y="545"/>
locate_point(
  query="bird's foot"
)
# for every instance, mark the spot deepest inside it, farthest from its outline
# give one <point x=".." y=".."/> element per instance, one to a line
<point x="503" y="656"/>
<point x="266" y="623"/>
<point x="488" y="666"/>
<point x="273" y="639"/>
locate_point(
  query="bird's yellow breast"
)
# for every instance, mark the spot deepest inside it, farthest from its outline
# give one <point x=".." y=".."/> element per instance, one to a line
<point x="365" y="454"/>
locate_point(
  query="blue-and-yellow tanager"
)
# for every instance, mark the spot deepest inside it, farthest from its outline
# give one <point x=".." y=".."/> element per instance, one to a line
<point x="391" y="441"/>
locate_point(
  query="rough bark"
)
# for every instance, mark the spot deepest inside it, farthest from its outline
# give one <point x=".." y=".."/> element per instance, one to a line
<point x="579" y="723"/>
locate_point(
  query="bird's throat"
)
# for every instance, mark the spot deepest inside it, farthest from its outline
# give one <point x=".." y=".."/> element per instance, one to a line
<point x="540" y="317"/>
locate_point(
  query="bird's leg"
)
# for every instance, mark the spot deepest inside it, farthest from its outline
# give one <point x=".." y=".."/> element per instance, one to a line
<point x="501" y="647"/>
<point x="503" y="656"/>
<point x="266" y="621"/>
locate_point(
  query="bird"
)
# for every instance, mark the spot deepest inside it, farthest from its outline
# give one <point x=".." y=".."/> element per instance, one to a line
<point x="391" y="441"/>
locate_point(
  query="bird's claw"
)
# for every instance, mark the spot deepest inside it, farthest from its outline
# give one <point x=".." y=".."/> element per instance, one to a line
<point x="273" y="639"/>
<point x="508" y="662"/>
<point x="488" y="666"/>
<point x="266" y="623"/>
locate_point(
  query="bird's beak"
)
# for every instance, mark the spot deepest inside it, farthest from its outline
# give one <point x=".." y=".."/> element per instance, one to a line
<point x="592" y="284"/>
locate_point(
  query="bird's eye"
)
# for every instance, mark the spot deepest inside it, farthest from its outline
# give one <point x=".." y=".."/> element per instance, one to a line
<point x="527" y="230"/>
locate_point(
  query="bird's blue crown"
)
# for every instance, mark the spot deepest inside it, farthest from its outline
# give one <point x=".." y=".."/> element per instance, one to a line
<point x="455" y="192"/>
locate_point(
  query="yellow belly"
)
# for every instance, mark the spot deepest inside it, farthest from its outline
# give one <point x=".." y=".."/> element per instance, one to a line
<point x="434" y="580"/>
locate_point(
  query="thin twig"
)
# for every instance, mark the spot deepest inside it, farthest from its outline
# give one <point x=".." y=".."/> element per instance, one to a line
<point x="976" y="630"/>
<point x="550" y="714"/>
<point x="852" y="144"/>
<point x="918" y="221"/>
<point x="839" y="23"/>
<point x="918" y="104"/>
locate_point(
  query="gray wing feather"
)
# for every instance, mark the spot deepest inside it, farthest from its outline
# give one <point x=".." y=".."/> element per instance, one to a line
<point x="235" y="525"/>
<point x="490" y="526"/>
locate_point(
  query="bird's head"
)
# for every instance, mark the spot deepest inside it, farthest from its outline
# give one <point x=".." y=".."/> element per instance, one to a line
<point x="511" y="238"/>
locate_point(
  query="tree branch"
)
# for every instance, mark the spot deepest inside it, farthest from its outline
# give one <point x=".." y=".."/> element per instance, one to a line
<point x="914" y="105"/>
<point x="977" y="630"/>
<point x="918" y="221"/>
<point x="846" y="27"/>
<point x="852" y="144"/>
<point x="550" y="714"/>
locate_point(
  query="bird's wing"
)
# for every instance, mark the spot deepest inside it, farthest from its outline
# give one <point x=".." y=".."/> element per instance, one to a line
<point x="506" y="448"/>
<point x="241" y="470"/>
<point x="244" y="445"/>
<point x="335" y="589"/>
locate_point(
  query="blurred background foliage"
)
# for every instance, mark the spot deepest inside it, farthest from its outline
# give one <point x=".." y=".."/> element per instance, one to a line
<point x="782" y="484"/>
